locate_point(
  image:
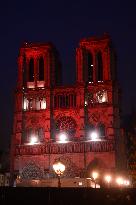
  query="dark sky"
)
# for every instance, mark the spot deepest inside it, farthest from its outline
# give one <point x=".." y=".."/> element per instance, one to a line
<point x="64" y="23"/>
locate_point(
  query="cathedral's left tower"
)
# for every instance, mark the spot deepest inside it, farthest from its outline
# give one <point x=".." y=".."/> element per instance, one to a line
<point x="39" y="70"/>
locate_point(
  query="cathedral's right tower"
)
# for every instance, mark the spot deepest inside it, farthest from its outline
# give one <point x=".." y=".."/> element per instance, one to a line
<point x="97" y="71"/>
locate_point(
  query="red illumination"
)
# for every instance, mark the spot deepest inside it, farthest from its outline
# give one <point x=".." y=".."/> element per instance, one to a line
<point x="65" y="113"/>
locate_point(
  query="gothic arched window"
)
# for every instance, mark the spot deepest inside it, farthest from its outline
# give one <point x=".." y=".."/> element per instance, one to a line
<point x="41" y="134"/>
<point x="37" y="133"/>
<point x="24" y="70"/>
<point x="55" y="101"/>
<point x="99" y="67"/>
<point x="65" y="101"/>
<point x="41" y="69"/>
<point x="31" y="70"/>
<point x="90" y="127"/>
<point x="101" y="129"/>
<point x="90" y="67"/>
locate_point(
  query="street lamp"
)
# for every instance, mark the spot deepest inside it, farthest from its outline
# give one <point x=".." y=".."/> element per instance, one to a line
<point x="119" y="181"/>
<point x="126" y="182"/>
<point x="59" y="169"/>
<point x="95" y="176"/>
<point x="108" y="180"/>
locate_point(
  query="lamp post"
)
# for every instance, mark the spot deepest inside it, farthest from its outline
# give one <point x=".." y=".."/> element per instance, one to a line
<point x="59" y="169"/>
<point x="95" y="176"/>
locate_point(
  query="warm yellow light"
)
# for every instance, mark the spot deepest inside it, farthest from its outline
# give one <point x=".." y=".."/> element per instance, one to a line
<point x="80" y="183"/>
<point x="108" y="178"/>
<point x="120" y="181"/>
<point x="40" y="84"/>
<point x="95" y="175"/>
<point x="30" y="85"/>
<point x="126" y="182"/>
<point x="59" y="168"/>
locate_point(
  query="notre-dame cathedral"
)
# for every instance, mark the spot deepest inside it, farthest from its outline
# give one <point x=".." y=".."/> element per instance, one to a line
<point x="78" y="124"/>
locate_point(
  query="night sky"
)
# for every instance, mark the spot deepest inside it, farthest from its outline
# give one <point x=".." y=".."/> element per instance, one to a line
<point x="64" y="23"/>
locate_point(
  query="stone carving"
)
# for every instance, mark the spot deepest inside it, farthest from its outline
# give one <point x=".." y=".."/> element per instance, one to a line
<point x="31" y="171"/>
<point x="76" y="147"/>
<point x="34" y="120"/>
<point x="95" y="117"/>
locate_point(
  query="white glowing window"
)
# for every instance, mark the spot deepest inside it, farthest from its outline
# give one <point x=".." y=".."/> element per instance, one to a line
<point x="34" y="135"/>
<point x="26" y="104"/>
<point x="101" y="96"/>
<point x="37" y="104"/>
<point x="34" y="103"/>
<point x="43" y="103"/>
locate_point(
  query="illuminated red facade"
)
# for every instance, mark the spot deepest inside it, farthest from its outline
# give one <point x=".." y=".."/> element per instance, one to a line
<point x="78" y="124"/>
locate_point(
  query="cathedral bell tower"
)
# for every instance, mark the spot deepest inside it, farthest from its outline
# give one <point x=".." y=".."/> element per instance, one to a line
<point x="39" y="70"/>
<point x="97" y="71"/>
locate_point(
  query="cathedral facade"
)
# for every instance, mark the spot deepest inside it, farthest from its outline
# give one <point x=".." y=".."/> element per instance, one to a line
<point x="78" y="125"/>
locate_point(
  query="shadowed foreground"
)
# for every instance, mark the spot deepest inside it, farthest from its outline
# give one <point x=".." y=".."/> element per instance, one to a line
<point x="66" y="196"/>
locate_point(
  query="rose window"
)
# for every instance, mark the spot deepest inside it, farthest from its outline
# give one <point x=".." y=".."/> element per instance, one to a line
<point x="66" y="124"/>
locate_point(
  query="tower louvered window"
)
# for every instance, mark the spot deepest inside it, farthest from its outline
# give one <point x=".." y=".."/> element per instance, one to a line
<point x="99" y="67"/>
<point x="41" y="69"/>
<point x="90" y="67"/>
<point x="31" y="70"/>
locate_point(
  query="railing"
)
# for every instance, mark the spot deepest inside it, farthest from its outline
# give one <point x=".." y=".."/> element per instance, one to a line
<point x="70" y="147"/>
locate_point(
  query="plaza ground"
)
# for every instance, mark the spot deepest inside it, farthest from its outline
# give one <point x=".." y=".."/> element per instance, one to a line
<point x="66" y="196"/>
